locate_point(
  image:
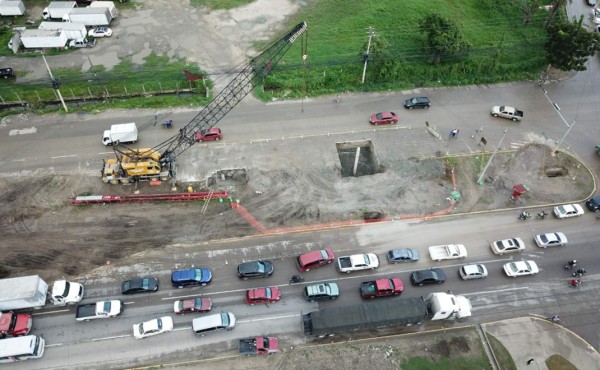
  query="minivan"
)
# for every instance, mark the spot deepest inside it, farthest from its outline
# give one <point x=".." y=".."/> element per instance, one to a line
<point x="321" y="292"/>
<point x="212" y="323"/>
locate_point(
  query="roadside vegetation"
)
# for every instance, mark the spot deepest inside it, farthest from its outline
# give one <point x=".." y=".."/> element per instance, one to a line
<point x="491" y="42"/>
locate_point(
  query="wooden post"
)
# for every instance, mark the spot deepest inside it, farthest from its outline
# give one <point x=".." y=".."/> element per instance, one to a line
<point x="143" y="89"/>
<point x="38" y="95"/>
<point x="18" y="97"/>
<point x="90" y="92"/>
<point x="72" y="94"/>
<point x="125" y="88"/>
<point x="160" y="87"/>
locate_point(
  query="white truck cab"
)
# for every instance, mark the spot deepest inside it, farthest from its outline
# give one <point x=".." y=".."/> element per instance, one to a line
<point x="65" y="292"/>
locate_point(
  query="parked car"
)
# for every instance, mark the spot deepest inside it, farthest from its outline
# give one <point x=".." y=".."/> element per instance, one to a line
<point x="551" y="240"/>
<point x="310" y="260"/>
<point x="593" y="204"/>
<point x="568" y="210"/>
<point x="100" y="32"/>
<point x="430" y="276"/>
<point x="153" y="327"/>
<point x="6" y="73"/>
<point x="190" y="277"/>
<point x="321" y="292"/>
<point x="521" y="268"/>
<point x="142" y="285"/>
<point x="255" y="269"/>
<point x="417" y="102"/>
<point x="474" y="271"/>
<point x="212" y="134"/>
<point x="262" y="295"/>
<point x="384" y="118"/>
<point x="508" y="246"/>
<point x="403" y="255"/>
<point x="192" y="305"/>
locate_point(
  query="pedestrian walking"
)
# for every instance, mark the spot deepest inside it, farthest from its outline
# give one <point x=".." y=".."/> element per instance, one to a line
<point x="454" y="133"/>
<point x="530" y="361"/>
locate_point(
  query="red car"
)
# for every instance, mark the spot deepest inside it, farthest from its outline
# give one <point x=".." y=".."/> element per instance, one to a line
<point x="384" y="118"/>
<point x="381" y="288"/>
<point x="212" y="134"/>
<point x="313" y="259"/>
<point x="262" y="295"/>
<point x="192" y="305"/>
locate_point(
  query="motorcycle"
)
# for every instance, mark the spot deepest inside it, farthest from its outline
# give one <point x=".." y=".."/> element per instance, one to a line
<point x="575" y="283"/>
<point x="579" y="273"/>
<point x="541" y="215"/>
<point x="168" y="123"/>
<point x="570" y="264"/>
<point x="296" y="279"/>
<point x="524" y="215"/>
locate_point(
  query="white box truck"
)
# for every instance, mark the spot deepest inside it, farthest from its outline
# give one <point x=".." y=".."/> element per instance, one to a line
<point x="57" y="9"/>
<point x="120" y="133"/>
<point x="11" y="8"/>
<point x="89" y="16"/>
<point x="106" y="4"/>
<point x="74" y="31"/>
<point x="32" y="292"/>
<point x="42" y="39"/>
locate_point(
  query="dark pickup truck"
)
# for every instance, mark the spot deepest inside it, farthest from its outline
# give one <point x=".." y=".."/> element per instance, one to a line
<point x="258" y="346"/>
<point x="381" y="288"/>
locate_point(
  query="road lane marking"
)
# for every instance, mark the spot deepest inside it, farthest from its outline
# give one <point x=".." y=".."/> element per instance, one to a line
<point x="267" y="318"/>
<point x="107" y="338"/>
<point x="496" y="291"/>
<point x="64" y="156"/>
<point x="132" y="302"/>
<point x="54" y="345"/>
<point x="47" y="313"/>
<point x="186" y="328"/>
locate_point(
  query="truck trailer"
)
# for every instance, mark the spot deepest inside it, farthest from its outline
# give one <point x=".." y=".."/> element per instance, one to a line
<point x="57" y="9"/>
<point x="11" y="8"/>
<point x="43" y="39"/>
<point x="32" y="291"/>
<point x="74" y="31"/>
<point x="380" y="314"/>
<point x="108" y="5"/>
<point x="89" y="16"/>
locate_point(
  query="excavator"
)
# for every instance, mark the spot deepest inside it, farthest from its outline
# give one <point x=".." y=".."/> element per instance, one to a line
<point x="158" y="163"/>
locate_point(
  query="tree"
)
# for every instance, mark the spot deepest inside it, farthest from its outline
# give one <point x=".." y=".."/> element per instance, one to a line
<point x="442" y="37"/>
<point x="528" y="7"/>
<point x="569" y="45"/>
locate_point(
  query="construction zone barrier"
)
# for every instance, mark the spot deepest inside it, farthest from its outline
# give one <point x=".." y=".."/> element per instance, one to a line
<point x="143" y="198"/>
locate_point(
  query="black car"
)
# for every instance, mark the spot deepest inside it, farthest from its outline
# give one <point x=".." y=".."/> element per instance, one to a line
<point x="142" y="285"/>
<point x="418" y="102"/>
<point x="431" y="276"/>
<point x="255" y="269"/>
<point x="593" y="204"/>
<point x="6" y="73"/>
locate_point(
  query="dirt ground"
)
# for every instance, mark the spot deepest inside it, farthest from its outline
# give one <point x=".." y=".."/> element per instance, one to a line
<point x="40" y="227"/>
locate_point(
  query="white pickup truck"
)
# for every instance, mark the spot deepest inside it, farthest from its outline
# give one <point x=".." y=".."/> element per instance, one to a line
<point x="358" y="262"/>
<point x="98" y="310"/>
<point x="507" y="112"/>
<point x="447" y="252"/>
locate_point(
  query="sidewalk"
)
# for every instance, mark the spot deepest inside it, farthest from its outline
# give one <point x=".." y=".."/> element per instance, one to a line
<point x="529" y="338"/>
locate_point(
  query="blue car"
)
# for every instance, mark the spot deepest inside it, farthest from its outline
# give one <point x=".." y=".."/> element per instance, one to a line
<point x="190" y="277"/>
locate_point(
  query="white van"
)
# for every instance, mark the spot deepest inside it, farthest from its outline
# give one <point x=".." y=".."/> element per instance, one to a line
<point x="212" y="323"/>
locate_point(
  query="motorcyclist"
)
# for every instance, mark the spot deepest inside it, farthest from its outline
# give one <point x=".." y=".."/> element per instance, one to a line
<point x="524" y="215"/>
<point x="295" y="279"/>
<point x="555" y="319"/>
<point x="575" y="283"/>
<point x="580" y="271"/>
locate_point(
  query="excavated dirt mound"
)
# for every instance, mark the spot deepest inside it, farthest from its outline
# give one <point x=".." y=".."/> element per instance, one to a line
<point x="43" y="234"/>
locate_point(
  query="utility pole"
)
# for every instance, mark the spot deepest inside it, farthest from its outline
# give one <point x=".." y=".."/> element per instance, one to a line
<point x="480" y="179"/>
<point x="366" y="55"/>
<point x="55" y="84"/>
<point x="569" y="126"/>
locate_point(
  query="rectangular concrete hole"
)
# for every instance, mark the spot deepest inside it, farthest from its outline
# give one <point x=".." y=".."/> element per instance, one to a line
<point x="363" y="150"/>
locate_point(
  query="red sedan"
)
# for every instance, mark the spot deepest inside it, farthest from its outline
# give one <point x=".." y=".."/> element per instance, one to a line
<point x="262" y="295"/>
<point x="381" y="288"/>
<point x="212" y="134"/>
<point x="313" y="259"/>
<point x="192" y="305"/>
<point x="384" y="118"/>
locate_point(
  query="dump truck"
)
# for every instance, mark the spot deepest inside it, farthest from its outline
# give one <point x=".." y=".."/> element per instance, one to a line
<point x="258" y="346"/>
<point x="15" y="324"/>
<point x="32" y="291"/>
<point x="447" y="252"/>
<point x="98" y="310"/>
<point x="358" y="262"/>
<point x="385" y="313"/>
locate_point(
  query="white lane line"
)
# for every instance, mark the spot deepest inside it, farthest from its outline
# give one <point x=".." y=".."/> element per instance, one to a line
<point x="64" y="156"/>
<point x="496" y="291"/>
<point x="54" y="345"/>
<point x="18" y="160"/>
<point x="107" y="338"/>
<point x="132" y="302"/>
<point x="105" y="153"/>
<point x="186" y="328"/>
<point x="267" y="318"/>
<point x="48" y="313"/>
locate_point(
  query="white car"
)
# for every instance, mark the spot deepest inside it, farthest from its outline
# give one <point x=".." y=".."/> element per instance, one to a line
<point x="568" y="210"/>
<point x="475" y="271"/>
<point x="153" y="327"/>
<point x="100" y="32"/>
<point x="551" y="240"/>
<point x="521" y="268"/>
<point x="508" y="246"/>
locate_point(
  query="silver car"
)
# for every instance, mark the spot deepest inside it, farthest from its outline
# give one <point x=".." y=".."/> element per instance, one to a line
<point x="475" y="271"/>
